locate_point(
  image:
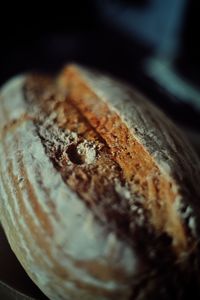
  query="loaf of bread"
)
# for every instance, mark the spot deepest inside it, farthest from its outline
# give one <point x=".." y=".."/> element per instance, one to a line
<point x="99" y="192"/>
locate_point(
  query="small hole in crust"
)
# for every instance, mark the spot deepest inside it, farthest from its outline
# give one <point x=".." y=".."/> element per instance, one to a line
<point x="74" y="156"/>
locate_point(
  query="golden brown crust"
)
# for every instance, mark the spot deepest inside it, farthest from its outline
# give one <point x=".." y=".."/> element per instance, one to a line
<point x="139" y="167"/>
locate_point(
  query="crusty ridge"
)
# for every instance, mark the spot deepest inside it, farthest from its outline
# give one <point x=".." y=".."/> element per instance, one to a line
<point x="146" y="145"/>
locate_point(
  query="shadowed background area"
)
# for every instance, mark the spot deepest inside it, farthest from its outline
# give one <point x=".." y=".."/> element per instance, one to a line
<point x="151" y="44"/>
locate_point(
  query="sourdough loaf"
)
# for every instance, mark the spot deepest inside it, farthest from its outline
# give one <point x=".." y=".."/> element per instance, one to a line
<point x="99" y="193"/>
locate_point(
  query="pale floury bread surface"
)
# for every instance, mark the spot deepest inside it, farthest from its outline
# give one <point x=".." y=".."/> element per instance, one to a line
<point x="99" y="194"/>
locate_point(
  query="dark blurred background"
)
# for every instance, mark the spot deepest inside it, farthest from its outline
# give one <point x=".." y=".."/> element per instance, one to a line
<point x="151" y="44"/>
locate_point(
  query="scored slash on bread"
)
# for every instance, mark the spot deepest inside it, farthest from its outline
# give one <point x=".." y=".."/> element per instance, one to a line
<point x="99" y="196"/>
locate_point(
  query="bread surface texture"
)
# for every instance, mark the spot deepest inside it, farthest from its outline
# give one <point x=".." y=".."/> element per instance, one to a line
<point x="99" y="195"/>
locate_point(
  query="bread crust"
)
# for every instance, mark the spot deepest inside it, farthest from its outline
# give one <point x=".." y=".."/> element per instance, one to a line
<point x="96" y="184"/>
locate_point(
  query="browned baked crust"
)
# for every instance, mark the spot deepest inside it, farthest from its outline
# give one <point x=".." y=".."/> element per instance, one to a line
<point x="99" y="190"/>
